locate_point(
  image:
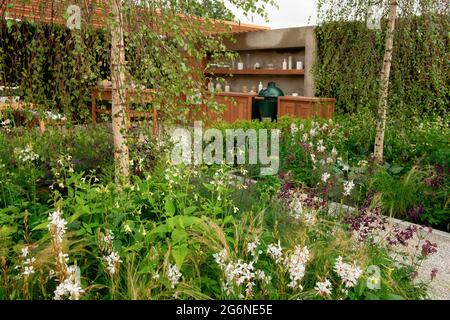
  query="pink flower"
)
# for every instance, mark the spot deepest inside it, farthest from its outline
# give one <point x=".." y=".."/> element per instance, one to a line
<point x="433" y="273"/>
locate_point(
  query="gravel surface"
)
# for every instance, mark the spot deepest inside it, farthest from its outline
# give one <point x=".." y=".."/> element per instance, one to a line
<point x="439" y="288"/>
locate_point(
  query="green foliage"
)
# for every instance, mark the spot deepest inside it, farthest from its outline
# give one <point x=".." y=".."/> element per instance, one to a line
<point x="350" y="58"/>
<point x="399" y="195"/>
<point x="209" y="9"/>
<point x="416" y="155"/>
<point x="169" y="216"/>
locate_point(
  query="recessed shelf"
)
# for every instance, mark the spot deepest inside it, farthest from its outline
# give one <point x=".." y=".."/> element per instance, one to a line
<point x="274" y="72"/>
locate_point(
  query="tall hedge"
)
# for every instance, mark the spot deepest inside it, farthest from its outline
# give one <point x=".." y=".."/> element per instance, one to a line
<point x="350" y="59"/>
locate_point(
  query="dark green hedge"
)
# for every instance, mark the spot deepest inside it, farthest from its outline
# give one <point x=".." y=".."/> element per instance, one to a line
<point x="350" y="58"/>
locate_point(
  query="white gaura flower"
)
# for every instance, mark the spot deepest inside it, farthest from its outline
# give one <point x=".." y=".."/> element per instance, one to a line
<point x="71" y="286"/>
<point x="313" y="158"/>
<point x="174" y="275"/>
<point x="58" y="223"/>
<point x="295" y="264"/>
<point x="321" y="148"/>
<point x="261" y="275"/>
<point x="325" y="177"/>
<point x="323" y="288"/>
<point x="107" y="238"/>
<point x="252" y="246"/>
<point x="26" y="154"/>
<point x="305" y="137"/>
<point x="348" y="187"/>
<point x="5" y="123"/>
<point x="294" y="128"/>
<point x="235" y="209"/>
<point x="24" y="252"/>
<point x="237" y="274"/>
<point x="275" y="252"/>
<point x="112" y="262"/>
<point x="221" y="258"/>
<point x="349" y="274"/>
<point x="28" y="270"/>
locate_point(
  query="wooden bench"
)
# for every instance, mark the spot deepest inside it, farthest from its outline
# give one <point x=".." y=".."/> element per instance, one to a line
<point x="22" y="107"/>
<point x="104" y="93"/>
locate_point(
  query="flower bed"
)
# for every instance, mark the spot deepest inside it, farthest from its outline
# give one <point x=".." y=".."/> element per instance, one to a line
<point x="175" y="232"/>
<point x="334" y="159"/>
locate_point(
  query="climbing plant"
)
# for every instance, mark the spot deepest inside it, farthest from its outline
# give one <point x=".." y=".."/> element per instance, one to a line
<point x="350" y="55"/>
<point x="149" y="44"/>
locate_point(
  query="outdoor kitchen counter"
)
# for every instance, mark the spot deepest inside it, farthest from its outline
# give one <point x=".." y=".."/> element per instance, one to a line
<point x="238" y="106"/>
<point x="305" y="107"/>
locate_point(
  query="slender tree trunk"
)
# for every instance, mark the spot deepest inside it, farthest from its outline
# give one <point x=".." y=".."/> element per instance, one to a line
<point x="119" y="117"/>
<point x="384" y="89"/>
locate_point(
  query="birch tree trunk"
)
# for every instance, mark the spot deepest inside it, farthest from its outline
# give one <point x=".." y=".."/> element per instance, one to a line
<point x="119" y="117"/>
<point x="384" y="89"/>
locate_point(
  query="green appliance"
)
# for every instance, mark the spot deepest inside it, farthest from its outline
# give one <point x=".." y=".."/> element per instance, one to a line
<point x="269" y="104"/>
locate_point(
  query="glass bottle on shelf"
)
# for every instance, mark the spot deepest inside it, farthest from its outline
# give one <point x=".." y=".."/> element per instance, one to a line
<point x="247" y="61"/>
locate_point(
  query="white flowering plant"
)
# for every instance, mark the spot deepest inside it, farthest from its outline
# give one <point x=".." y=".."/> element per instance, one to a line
<point x="183" y="232"/>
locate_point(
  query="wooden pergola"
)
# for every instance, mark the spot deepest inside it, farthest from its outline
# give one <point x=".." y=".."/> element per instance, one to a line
<point x="95" y="12"/>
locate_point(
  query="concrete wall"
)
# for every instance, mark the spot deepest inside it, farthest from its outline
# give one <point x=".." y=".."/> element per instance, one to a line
<point x="272" y="46"/>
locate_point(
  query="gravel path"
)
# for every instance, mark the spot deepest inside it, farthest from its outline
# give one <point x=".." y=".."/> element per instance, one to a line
<point x="440" y="287"/>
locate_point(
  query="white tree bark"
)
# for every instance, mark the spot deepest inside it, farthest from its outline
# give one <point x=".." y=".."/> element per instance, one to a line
<point x="384" y="89"/>
<point x="119" y="117"/>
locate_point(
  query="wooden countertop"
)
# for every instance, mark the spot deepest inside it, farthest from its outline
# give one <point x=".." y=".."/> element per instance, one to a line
<point x="303" y="98"/>
<point x="236" y="94"/>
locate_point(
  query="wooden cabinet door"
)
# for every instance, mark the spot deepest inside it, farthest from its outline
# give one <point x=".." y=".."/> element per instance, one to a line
<point x="303" y="109"/>
<point x="286" y="108"/>
<point x="244" y="108"/>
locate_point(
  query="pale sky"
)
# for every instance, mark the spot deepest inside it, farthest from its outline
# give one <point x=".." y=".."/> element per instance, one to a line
<point x="290" y="13"/>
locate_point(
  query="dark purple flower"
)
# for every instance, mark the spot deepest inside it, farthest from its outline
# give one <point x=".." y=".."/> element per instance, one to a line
<point x="414" y="213"/>
<point x="402" y="236"/>
<point x="429" y="248"/>
<point x="367" y="222"/>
